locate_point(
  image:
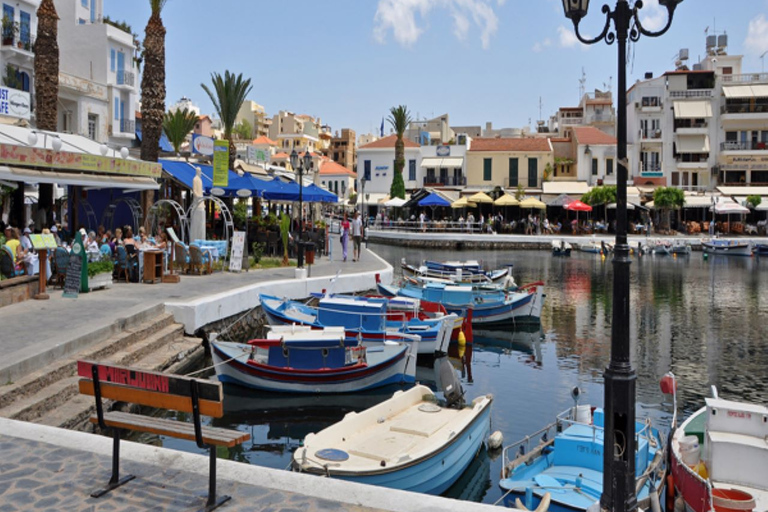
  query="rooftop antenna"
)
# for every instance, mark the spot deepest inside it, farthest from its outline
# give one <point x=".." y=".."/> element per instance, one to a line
<point x="541" y="104"/>
<point x="609" y="84"/>
<point x="582" y="84"/>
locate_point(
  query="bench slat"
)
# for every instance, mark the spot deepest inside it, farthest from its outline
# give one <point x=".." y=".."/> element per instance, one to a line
<point x="150" y="381"/>
<point x="154" y="399"/>
<point x="178" y="429"/>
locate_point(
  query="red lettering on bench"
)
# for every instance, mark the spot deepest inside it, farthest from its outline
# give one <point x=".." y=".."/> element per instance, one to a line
<point x="137" y="379"/>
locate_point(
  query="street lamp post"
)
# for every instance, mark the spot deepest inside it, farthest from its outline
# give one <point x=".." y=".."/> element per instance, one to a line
<point x="299" y="166"/>
<point x="620" y="379"/>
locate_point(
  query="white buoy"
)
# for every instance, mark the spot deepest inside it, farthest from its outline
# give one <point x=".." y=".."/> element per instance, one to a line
<point x="495" y="440"/>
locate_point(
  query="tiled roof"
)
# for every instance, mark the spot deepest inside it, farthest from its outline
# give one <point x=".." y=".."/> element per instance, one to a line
<point x="560" y="139"/>
<point x="511" y="144"/>
<point x="202" y="117"/>
<point x="264" y="140"/>
<point x="328" y="166"/>
<point x="591" y="135"/>
<point x="389" y="142"/>
<point x="280" y="155"/>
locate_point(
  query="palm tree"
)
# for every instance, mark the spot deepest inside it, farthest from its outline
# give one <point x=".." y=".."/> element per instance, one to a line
<point x="177" y="126"/>
<point x="46" y="80"/>
<point x="153" y="83"/>
<point x="666" y="199"/>
<point x="230" y="92"/>
<point x="399" y="118"/>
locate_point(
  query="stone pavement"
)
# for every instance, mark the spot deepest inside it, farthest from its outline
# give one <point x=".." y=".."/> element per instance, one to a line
<point x="49" y="469"/>
<point x="37" y="332"/>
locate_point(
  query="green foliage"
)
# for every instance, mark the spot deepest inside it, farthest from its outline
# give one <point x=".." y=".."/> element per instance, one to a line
<point x="668" y="198"/>
<point x="754" y="201"/>
<point x="547" y="172"/>
<point x="399" y="118"/>
<point x="353" y="198"/>
<point x="257" y="251"/>
<point x="285" y="228"/>
<point x="11" y="78"/>
<point x="271" y="220"/>
<point x="243" y="130"/>
<point x="228" y="95"/>
<point x="600" y="195"/>
<point x="240" y="212"/>
<point x="177" y="126"/>
<point x="520" y="192"/>
<point x="103" y="266"/>
<point x="122" y="25"/>
<point x="398" y="186"/>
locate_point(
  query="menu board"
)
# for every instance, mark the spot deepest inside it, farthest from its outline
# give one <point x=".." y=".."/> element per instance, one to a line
<point x="238" y="246"/>
<point x="74" y="269"/>
<point x="40" y="242"/>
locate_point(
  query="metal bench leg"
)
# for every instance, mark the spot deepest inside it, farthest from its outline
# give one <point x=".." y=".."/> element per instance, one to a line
<point x="213" y="502"/>
<point x="115" y="481"/>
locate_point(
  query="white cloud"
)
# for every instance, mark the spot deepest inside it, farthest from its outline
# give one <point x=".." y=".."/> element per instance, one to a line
<point x="568" y="38"/>
<point x="757" y="35"/>
<point x="540" y="46"/>
<point x="652" y="16"/>
<point x="405" y="18"/>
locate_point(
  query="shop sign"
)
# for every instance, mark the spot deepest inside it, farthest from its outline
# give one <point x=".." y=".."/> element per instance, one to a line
<point x="221" y="163"/>
<point x="443" y="151"/>
<point x="202" y="144"/>
<point x="14" y="103"/>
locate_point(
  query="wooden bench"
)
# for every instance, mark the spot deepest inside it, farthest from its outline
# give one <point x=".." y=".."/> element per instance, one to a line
<point x="160" y="391"/>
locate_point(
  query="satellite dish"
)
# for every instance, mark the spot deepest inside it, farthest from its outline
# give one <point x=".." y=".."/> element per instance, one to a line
<point x="243" y="193"/>
<point x="216" y="191"/>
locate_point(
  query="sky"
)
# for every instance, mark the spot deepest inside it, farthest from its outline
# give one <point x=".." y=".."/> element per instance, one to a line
<point x="349" y="61"/>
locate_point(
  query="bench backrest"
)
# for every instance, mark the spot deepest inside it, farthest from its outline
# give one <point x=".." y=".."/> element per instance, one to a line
<point x="152" y="389"/>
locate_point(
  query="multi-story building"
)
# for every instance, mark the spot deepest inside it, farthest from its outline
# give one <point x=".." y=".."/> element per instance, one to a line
<point x="98" y="76"/>
<point x="19" y="30"/>
<point x="595" y="109"/>
<point x="256" y="116"/>
<point x="436" y="131"/>
<point x="337" y="179"/>
<point x="376" y="164"/>
<point x="342" y="149"/>
<point x="185" y="103"/>
<point x="295" y="131"/>
<point x="508" y="162"/>
<point x="444" y="166"/>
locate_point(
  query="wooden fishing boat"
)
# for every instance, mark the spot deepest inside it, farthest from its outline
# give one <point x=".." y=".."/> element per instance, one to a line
<point x="409" y="442"/>
<point x="561" y="248"/>
<point x="727" y="247"/>
<point x="456" y="271"/>
<point x="299" y="359"/>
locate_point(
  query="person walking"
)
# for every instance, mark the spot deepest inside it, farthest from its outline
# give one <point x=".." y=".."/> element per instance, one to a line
<point x="357" y="236"/>
<point x="344" y="236"/>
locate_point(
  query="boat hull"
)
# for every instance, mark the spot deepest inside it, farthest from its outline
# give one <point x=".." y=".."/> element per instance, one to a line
<point x="727" y="248"/>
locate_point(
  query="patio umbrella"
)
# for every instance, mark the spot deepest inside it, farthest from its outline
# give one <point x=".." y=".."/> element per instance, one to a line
<point x="464" y="202"/>
<point x="506" y="200"/>
<point x="532" y="202"/>
<point x="578" y="206"/>
<point x="434" y="200"/>
<point x="730" y="207"/>
<point x="480" y="197"/>
<point x="395" y="202"/>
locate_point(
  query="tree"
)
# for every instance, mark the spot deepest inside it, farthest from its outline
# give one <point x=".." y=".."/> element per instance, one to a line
<point x="177" y="125"/>
<point x="152" y="91"/>
<point x="547" y="172"/>
<point x="666" y="199"/>
<point x="230" y="92"/>
<point x="285" y="228"/>
<point x="46" y="68"/>
<point x="399" y="118"/>
<point x="243" y="130"/>
<point x="602" y="195"/>
<point x="520" y="192"/>
<point x="754" y="201"/>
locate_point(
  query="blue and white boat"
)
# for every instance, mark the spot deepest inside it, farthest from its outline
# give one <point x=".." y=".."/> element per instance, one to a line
<point x="457" y="271"/>
<point x="409" y="442"/>
<point x="567" y="463"/>
<point x="366" y="320"/>
<point x="727" y="247"/>
<point x="488" y="307"/>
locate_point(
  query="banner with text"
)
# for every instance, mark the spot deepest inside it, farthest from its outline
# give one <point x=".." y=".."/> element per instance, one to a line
<point x="220" y="163"/>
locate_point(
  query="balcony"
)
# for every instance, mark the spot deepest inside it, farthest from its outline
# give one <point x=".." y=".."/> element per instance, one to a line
<point x="746" y="78"/>
<point x="22" y="45"/>
<point x="745" y="107"/>
<point x="650" y="135"/>
<point x="568" y="121"/>
<point x="600" y="118"/>
<point x="651" y="167"/>
<point x="445" y="181"/>
<point x="127" y="126"/>
<point x="125" y="77"/>
<point x="744" y="146"/>
<point x="691" y="93"/>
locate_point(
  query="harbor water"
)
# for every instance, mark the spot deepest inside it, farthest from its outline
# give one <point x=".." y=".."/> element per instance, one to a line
<point x="703" y="319"/>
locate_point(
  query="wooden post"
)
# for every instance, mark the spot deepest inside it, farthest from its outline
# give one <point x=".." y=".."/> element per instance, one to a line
<point x="42" y="257"/>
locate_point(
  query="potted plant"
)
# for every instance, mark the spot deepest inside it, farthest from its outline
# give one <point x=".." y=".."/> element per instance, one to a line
<point x="9" y="30"/>
<point x="100" y="273"/>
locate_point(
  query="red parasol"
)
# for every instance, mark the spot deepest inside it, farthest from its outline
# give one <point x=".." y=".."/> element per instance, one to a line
<point x="578" y="206"/>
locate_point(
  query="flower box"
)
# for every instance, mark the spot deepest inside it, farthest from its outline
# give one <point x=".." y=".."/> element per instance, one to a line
<point x="98" y="281"/>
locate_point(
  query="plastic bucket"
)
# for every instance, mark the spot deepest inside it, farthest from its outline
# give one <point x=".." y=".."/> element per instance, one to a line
<point x="584" y="414"/>
<point x="732" y="500"/>
<point x="687" y="443"/>
<point x="690" y="457"/>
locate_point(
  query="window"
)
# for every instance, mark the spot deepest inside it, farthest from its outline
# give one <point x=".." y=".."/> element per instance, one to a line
<point x="84" y="3"/>
<point x="66" y="122"/>
<point x="24" y="29"/>
<point x="412" y="168"/>
<point x="651" y="101"/>
<point x="513" y="178"/>
<point x="93" y="121"/>
<point x="727" y="70"/>
<point x="112" y="58"/>
<point x="8" y="12"/>
<point x="367" y="170"/>
<point x="93" y="11"/>
<point x="533" y="172"/>
<point x="117" y="109"/>
<point x="594" y="167"/>
<point x="343" y="188"/>
<point x="487" y="169"/>
<point x="609" y="166"/>
<point x="81" y="21"/>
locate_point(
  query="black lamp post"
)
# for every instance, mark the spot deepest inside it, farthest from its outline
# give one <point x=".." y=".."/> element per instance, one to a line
<point x="299" y="166"/>
<point x="619" y="441"/>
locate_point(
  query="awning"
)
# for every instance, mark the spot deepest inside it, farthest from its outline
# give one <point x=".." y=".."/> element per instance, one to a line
<point x="738" y="91"/>
<point x="78" y="179"/>
<point x="760" y="91"/>
<point x="697" y="202"/>
<point x="373" y="198"/>
<point x="743" y="191"/>
<point x="183" y="172"/>
<point x="692" y="143"/>
<point x="692" y="109"/>
<point x="574" y="188"/>
<point x="436" y="162"/>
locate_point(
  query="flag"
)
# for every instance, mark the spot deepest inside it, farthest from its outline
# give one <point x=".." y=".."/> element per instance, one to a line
<point x="381" y="134"/>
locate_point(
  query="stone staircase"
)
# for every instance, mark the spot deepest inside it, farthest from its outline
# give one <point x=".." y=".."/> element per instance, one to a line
<point x="50" y="395"/>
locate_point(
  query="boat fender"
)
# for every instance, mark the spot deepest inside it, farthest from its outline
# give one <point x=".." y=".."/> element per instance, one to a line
<point x="680" y="504"/>
<point x="544" y="504"/>
<point x="670" y="504"/>
<point x="495" y="440"/>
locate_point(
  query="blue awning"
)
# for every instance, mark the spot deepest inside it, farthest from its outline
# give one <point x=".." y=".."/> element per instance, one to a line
<point x="184" y="173"/>
<point x="165" y="144"/>
<point x="434" y="200"/>
<point x="319" y="195"/>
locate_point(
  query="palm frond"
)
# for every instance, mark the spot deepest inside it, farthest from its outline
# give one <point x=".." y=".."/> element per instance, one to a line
<point x="399" y="118"/>
<point x="157" y="6"/>
<point x="228" y="94"/>
<point x="177" y="126"/>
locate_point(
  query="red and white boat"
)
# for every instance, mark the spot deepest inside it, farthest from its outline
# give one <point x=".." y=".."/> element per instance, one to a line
<point x="719" y="458"/>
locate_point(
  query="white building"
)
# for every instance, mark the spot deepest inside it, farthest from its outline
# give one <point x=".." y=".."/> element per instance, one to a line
<point x="376" y="164"/>
<point x="98" y="77"/>
<point x="337" y="179"/>
<point x="442" y="166"/>
<point x="19" y="31"/>
<point x="185" y="103"/>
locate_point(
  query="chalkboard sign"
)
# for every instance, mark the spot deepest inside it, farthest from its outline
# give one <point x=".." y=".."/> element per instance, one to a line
<point x="74" y="269"/>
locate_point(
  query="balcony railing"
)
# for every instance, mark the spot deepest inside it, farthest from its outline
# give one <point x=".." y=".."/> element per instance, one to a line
<point x="650" y="134"/>
<point x="600" y="118"/>
<point x="572" y="120"/>
<point x="26" y="43"/>
<point x="691" y="93"/>
<point x="127" y="126"/>
<point x="125" y="77"/>
<point x="745" y="78"/>
<point x="446" y="181"/>
<point x="743" y="146"/>
<point x="650" y="168"/>
<point x="744" y="108"/>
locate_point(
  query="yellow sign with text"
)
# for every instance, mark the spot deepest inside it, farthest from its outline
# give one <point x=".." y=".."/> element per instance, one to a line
<point x="220" y="163"/>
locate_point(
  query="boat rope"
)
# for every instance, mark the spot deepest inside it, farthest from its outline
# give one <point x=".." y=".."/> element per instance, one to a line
<point x="503" y="496"/>
<point x="237" y="321"/>
<point x="214" y="365"/>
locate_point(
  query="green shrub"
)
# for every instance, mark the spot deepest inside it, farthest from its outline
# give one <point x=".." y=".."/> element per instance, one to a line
<point x="100" y="267"/>
<point x="257" y="251"/>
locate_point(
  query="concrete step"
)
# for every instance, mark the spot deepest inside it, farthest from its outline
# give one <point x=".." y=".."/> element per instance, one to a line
<point x="66" y="367"/>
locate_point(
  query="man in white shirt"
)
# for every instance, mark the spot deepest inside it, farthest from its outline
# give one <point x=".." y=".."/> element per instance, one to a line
<point x="357" y="236"/>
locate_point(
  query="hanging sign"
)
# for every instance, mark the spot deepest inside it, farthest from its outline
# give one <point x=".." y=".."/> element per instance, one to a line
<point x="220" y="163"/>
<point x="202" y="144"/>
<point x="238" y="246"/>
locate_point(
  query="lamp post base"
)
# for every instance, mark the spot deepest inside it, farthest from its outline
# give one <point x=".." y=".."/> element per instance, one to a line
<point x="300" y="273"/>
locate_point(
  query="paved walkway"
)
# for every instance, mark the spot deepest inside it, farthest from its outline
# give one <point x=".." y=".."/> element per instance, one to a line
<point x="57" y="326"/>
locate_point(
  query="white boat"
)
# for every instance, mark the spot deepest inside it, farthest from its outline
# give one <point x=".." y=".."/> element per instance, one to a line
<point x="408" y="442"/>
<point x="561" y="248"/>
<point x="720" y="458"/>
<point x="727" y="247"/>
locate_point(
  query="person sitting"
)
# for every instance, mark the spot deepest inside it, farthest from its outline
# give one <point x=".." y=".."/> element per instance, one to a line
<point x="55" y="232"/>
<point x="547" y="228"/>
<point x="92" y="247"/>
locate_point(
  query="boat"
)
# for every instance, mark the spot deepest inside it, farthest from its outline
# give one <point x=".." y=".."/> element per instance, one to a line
<point x="719" y="457"/>
<point x="567" y="462"/>
<point x="761" y="249"/>
<point x="457" y="271"/>
<point x="727" y="247"/>
<point x="488" y="307"/>
<point x="410" y="442"/>
<point x="596" y="247"/>
<point x="662" y="248"/>
<point x="299" y="359"/>
<point x="681" y="248"/>
<point x="365" y="319"/>
<point x="561" y="248"/>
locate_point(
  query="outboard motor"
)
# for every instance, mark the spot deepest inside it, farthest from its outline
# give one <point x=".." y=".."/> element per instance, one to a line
<point x="449" y="383"/>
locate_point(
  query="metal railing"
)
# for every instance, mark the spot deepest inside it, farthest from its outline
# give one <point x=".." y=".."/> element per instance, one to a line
<point x="127" y="126"/>
<point x="125" y="77"/>
<point x="572" y="120"/>
<point x="600" y="118"/>
<point x="448" y="181"/>
<point x="650" y="134"/>
<point x="26" y="43"/>
<point x="691" y="93"/>
<point x="743" y="146"/>
<point x="745" y="78"/>
<point x="650" y="168"/>
<point x="744" y="108"/>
